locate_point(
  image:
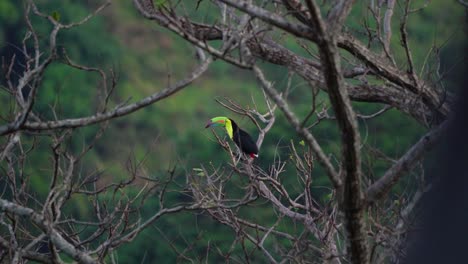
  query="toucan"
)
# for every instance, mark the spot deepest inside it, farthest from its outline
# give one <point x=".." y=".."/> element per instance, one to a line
<point x="242" y="139"/>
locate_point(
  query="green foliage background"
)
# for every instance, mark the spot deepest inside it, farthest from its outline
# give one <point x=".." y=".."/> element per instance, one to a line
<point x="171" y="133"/>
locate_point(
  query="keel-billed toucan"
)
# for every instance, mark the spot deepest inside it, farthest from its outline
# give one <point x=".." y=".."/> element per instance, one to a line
<point x="239" y="136"/>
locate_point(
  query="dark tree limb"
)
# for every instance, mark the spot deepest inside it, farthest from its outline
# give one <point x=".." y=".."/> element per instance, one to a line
<point x="353" y="198"/>
<point x="463" y="3"/>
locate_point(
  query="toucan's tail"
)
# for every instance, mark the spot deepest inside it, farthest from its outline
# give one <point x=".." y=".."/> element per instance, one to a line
<point x="253" y="155"/>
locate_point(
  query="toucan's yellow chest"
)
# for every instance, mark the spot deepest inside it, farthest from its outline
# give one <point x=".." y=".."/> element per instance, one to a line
<point x="229" y="130"/>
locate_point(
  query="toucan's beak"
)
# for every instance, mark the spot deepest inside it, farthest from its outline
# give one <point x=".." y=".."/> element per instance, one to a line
<point x="209" y="124"/>
<point x="217" y="121"/>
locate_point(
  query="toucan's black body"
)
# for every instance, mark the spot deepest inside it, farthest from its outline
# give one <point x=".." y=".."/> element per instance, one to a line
<point x="239" y="136"/>
<point x="244" y="141"/>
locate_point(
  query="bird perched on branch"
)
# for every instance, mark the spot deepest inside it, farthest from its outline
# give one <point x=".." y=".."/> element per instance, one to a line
<point x="242" y="139"/>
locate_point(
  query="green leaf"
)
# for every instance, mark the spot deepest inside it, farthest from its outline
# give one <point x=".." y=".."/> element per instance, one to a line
<point x="56" y="15"/>
<point x="302" y="143"/>
<point x="199" y="172"/>
<point x="160" y="3"/>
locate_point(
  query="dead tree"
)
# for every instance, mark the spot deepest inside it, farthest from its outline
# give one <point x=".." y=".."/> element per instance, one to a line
<point x="352" y="227"/>
<point x="357" y="224"/>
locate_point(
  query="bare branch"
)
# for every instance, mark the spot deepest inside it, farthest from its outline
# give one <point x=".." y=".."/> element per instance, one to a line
<point x="404" y="40"/>
<point x="56" y="238"/>
<point x="338" y="15"/>
<point x="381" y="187"/>
<point x="294" y="121"/>
<point x="176" y="25"/>
<point x="116" y="112"/>
<point x="387" y="25"/>
<point x="264" y="48"/>
<point x="465" y="4"/>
